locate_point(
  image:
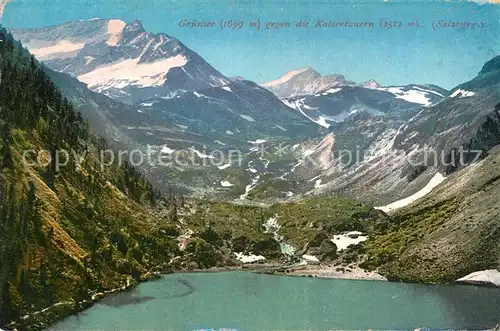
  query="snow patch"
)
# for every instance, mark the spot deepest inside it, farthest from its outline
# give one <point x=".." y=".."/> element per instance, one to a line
<point x="131" y="72"/>
<point x="199" y="95"/>
<point x="435" y="181"/>
<point x="219" y="142"/>
<point x="342" y="241"/>
<point x="200" y="154"/>
<point x="307" y="152"/>
<point x="428" y="91"/>
<point x="88" y="59"/>
<point x="115" y="28"/>
<point x="167" y="150"/>
<point x="248" y="258"/>
<point x="414" y="96"/>
<point x="280" y="127"/>
<point x="332" y="90"/>
<point x="248" y="118"/>
<point x="484" y="277"/>
<point x="289" y="75"/>
<point x="61" y="50"/>
<point x="462" y="94"/>
<point x="322" y="121"/>
<point x="298" y="104"/>
<point x="310" y="258"/>
<point x="257" y="142"/>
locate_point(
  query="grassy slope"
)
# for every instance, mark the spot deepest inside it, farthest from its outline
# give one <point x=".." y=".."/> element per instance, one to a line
<point x="302" y="220"/>
<point x="299" y="221"/>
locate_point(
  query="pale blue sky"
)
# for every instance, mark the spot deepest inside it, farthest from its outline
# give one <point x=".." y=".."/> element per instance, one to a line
<point x="444" y="57"/>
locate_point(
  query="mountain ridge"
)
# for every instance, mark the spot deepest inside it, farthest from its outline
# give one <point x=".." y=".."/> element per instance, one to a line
<point x="121" y="61"/>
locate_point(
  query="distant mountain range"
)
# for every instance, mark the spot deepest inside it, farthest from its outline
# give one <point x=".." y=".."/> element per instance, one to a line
<point x="335" y="104"/>
<point x="164" y="81"/>
<point x="125" y="62"/>
<point x="150" y="89"/>
<point x="307" y="82"/>
<point x="304" y="81"/>
<point x="330" y="99"/>
<point x="395" y="150"/>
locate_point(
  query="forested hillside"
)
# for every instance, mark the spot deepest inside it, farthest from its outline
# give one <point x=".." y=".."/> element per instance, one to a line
<point x="66" y="233"/>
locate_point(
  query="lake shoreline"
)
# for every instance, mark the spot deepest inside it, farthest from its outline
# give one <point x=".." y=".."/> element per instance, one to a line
<point x="46" y="317"/>
<point x="332" y="272"/>
<point x="327" y="271"/>
<point x="271" y="286"/>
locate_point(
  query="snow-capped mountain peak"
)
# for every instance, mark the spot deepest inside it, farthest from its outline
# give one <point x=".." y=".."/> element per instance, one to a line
<point x="286" y="77"/>
<point x="66" y="40"/>
<point x="121" y="60"/>
<point x="115" y="29"/>
<point x="305" y="81"/>
<point x="373" y="84"/>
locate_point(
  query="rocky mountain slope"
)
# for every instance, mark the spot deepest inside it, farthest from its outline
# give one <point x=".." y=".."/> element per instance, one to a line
<point x="102" y="112"/>
<point x="334" y="105"/>
<point x="451" y="232"/>
<point x="241" y="109"/>
<point x="400" y="157"/>
<point x="196" y="124"/>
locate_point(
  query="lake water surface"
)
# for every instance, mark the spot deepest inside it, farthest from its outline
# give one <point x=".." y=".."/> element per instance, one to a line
<point x="248" y="301"/>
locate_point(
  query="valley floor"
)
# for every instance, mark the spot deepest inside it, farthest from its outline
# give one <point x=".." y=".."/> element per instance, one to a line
<point x="333" y="271"/>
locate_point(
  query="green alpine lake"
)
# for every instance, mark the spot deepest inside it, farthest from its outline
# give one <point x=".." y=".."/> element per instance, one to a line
<point x="250" y="301"/>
